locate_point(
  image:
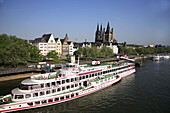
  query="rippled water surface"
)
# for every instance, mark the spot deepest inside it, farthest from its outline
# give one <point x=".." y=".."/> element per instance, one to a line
<point x="146" y="91"/>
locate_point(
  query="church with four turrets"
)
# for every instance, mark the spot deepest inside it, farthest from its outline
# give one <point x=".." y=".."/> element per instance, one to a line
<point x="103" y="36"/>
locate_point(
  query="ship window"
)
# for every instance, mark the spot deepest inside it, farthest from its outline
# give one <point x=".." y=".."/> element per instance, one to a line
<point x="35" y="94"/>
<point x="67" y="96"/>
<point x="42" y="85"/>
<point x="72" y="79"/>
<point x="77" y="94"/>
<point x="37" y="103"/>
<point x="42" y="93"/>
<point x="63" y="81"/>
<point x="48" y="92"/>
<point x="68" y="87"/>
<point x="87" y="76"/>
<point x="19" y="105"/>
<point x="50" y="100"/>
<point x="58" y="82"/>
<point x="83" y="77"/>
<point x="53" y="83"/>
<point x="19" y="96"/>
<point x="72" y="86"/>
<point x="76" y="85"/>
<point x="61" y="98"/>
<point x="80" y="78"/>
<point x="27" y="95"/>
<point x="63" y="88"/>
<point x="79" y="84"/>
<point x="58" y="89"/>
<point x="72" y="95"/>
<point x="67" y="80"/>
<point x="48" y="85"/>
<point x="56" y="99"/>
<point x="54" y="90"/>
<point x="95" y="74"/>
<point x="30" y="104"/>
<point x="44" y="101"/>
<point x="92" y="75"/>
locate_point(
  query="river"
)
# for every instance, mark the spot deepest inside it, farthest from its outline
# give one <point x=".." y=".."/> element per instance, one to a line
<point x="146" y="91"/>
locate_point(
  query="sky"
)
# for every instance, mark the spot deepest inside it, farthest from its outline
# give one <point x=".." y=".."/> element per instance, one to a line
<point x="142" y="22"/>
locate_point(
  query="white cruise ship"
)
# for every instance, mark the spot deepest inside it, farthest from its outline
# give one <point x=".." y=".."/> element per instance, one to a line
<point x="71" y="82"/>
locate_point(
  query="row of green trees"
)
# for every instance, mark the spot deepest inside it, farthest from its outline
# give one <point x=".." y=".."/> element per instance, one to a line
<point x="94" y="52"/>
<point x="147" y="50"/>
<point x="15" y="51"/>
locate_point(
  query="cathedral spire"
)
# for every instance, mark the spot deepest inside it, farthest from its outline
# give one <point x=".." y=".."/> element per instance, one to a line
<point x="108" y="27"/>
<point x="101" y="27"/>
<point x="97" y="27"/>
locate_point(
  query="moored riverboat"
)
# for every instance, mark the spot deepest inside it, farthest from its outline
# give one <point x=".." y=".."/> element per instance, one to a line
<point x="71" y="82"/>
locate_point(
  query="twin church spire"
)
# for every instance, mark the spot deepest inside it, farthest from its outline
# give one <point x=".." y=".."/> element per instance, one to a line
<point x="104" y="36"/>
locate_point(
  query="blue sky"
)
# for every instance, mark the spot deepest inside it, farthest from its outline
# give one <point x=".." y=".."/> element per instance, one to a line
<point x="134" y="21"/>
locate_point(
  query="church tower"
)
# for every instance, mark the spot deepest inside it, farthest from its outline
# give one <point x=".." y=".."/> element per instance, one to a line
<point x="104" y="36"/>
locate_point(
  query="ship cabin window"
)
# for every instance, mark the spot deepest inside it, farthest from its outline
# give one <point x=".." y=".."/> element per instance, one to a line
<point x="68" y="87"/>
<point x="76" y="78"/>
<point x="99" y="73"/>
<point x="77" y="94"/>
<point x="67" y="80"/>
<point x="19" y="97"/>
<point x="44" y="101"/>
<point x="24" y="87"/>
<point x="56" y="99"/>
<point x="87" y="76"/>
<point x="76" y="85"/>
<point x="58" y="89"/>
<point x="42" y="85"/>
<point x="53" y="83"/>
<point x="58" y="82"/>
<point x="47" y="84"/>
<point x="95" y="74"/>
<point x="35" y="95"/>
<point x="72" y="86"/>
<point x="61" y="98"/>
<point x="37" y="103"/>
<point x="63" y="88"/>
<point x="48" y="92"/>
<point x="92" y="75"/>
<point x="72" y="79"/>
<point x="79" y="84"/>
<point x="42" y="93"/>
<point x="50" y="100"/>
<point x="63" y="81"/>
<point x="83" y="77"/>
<point x="72" y="95"/>
<point x="27" y="95"/>
<point x="54" y="90"/>
<point x="67" y="96"/>
<point x="80" y="78"/>
<point x="30" y="104"/>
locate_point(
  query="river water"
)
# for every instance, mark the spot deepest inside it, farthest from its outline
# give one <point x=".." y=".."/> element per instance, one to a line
<point x="146" y="91"/>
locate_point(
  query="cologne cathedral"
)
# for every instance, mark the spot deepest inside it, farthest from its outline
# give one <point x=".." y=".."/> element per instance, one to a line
<point x="103" y="36"/>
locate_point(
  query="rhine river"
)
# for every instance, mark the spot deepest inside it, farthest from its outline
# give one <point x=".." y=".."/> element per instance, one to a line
<point x="146" y="91"/>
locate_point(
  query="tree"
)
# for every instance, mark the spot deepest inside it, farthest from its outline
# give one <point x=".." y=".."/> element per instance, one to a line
<point x="13" y="50"/>
<point x="52" y="54"/>
<point x="68" y="56"/>
<point x="35" y="53"/>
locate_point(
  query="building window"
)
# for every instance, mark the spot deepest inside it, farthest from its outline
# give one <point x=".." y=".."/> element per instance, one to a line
<point x="58" y="43"/>
<point x="51" y="41"/>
